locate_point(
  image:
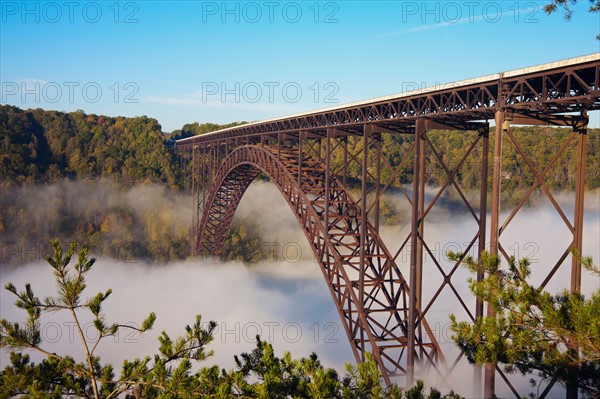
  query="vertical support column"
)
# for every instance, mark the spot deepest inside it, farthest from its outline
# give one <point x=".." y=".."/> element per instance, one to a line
<point x="412" y="302"/>
<point x="572" y="391"/>
<point x="501" y="126"/>
<point x="218" y="150"/>
<point x="279" y="146"/>
<point x="421" y="223"/>
<point x="377" y="182"/>
<point x="363" y="229"/>
<point x="215" y="162"/>
<point x="320" y="149"/>
<point x="300" y="156"/>
<point x="199" y="186"/>
<point x="203" y="184"/>
<point x="485" y="147"/>
<point x="220" y="156"/>
<point x="579" y="206"/>
<point x="195" y="199"/>
<point x="205" y="156"/>
<point x="204" y="176"/>
<point x="211" y="161"/>
<point x="345" y="148"/>
<point x="327" y="185"/>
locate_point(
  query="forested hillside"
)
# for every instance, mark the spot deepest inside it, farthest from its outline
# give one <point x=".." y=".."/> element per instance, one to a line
<point x="110" y="182"/>
<point x="40" y="145"/>
<point x="113" y="183"/>
<point x="45" y="145"/>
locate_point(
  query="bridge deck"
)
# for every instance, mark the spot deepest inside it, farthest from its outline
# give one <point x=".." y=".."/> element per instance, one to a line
<point x="570" y="85"/>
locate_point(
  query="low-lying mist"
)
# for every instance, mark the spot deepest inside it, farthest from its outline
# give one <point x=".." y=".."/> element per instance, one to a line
<point x="284" y="297"/>
<point x="287" y="305"/>
<point x="145" y="221"/>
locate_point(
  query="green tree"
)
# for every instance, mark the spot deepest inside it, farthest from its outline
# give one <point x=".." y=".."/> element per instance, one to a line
<point x="533" y="330"/>
<point x="565" y="5"/>
<point x="167" y="371"/>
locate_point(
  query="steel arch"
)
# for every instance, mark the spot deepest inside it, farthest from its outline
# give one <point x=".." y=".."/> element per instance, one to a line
<point x="372" y="300"/>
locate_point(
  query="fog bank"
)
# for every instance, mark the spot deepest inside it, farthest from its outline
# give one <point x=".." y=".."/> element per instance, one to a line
<point x="285" y="298"/>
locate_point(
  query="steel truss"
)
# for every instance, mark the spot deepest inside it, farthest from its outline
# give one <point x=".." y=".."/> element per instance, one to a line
<point x="368" y="289"/>
<point x="380" y="314"/>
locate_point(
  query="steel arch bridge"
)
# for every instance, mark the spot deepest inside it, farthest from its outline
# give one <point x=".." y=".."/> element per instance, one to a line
<point x="384" y="312"/>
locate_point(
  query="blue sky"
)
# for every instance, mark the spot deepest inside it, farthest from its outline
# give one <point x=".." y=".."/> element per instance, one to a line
<point x="215" y="61"/>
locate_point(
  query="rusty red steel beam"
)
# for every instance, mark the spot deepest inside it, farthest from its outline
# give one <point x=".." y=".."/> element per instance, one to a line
<point x="371" y="295"/>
